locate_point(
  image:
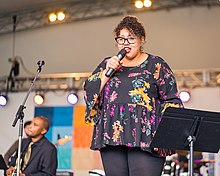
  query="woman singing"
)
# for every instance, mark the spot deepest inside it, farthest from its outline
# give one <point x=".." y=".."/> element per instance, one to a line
<point x="126" y="107"/>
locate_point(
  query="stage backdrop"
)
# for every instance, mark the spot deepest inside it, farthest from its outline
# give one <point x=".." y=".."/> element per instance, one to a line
<point x="72" y="137"/>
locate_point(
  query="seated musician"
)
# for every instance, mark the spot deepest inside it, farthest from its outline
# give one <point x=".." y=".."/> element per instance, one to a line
<point x="39" y="155"/>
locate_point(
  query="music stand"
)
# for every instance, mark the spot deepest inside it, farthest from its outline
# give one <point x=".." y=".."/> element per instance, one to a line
<point x="188" y="129"/>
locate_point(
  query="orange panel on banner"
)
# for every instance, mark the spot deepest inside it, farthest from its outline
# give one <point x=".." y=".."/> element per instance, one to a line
<point x="82" y="137"/>
<point x="79" y="116"/>
<point x="82" y="132"/>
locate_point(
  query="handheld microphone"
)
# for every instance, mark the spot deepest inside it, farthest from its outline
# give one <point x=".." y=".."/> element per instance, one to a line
<point x="121" y="54"/>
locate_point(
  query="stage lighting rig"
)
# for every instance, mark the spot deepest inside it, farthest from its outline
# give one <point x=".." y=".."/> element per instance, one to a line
<point x="3" y="100"/>
<point x="54" y="16"/>
<point x="39" y="98"/>
<point x="72" y="98"/>
<point x="185" y="95"/>
<point x="140" y="4"/>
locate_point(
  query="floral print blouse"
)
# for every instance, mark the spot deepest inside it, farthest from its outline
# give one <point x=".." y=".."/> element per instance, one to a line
<point x="129" y="108"/>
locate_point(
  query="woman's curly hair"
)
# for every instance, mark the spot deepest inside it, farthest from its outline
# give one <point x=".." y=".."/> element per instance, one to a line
<point x="132" y="24"/>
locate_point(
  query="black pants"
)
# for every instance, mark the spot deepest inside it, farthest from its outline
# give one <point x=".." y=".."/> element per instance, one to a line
<point x="125" y="161"/>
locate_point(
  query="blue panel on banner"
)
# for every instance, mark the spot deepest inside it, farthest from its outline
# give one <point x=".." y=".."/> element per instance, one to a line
<point x="49" y="134"/>
<point x="63" y="116"/>
<point x="64" y="134"/>
<point x="45" y="111"/>
<point x="64" y="158"/>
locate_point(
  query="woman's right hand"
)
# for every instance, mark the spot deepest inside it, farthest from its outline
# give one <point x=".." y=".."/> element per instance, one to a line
<point x="114" y="63"/>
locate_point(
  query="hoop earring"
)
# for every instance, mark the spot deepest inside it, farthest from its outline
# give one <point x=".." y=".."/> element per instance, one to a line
<point x="142" y="48"/>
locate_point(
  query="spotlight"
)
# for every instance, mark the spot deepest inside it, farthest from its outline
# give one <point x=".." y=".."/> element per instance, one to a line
<point x="147" y="3"/>
<point x="185" y="96"/>
<point x="72" y="98"/>
<point x="39" y="99"/>
<point x="3" y="100"/>
<point x="61" y="15"/>
<point x="52" y="17"/>
<point x="139" y="4"/>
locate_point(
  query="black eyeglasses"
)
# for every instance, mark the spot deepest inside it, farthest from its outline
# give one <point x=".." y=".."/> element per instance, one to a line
<point x="121" y="40"/>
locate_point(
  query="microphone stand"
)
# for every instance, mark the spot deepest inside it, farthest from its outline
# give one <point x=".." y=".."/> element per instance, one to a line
<point x="20" y="115"/>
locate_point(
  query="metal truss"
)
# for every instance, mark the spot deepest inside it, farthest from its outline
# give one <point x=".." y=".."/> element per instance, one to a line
<point x="198" y="78"/>
<point x="45" y="82"/>
<point x="79" y="10"/>
<point x="74" y="81"/>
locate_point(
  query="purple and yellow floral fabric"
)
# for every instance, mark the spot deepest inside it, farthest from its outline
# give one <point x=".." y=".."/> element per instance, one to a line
<point x="129" y="108"/>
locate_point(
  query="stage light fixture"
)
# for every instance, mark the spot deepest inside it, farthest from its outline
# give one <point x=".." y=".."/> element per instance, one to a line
<point x="185" y="95"/>
<point x="52" y="17"/>
<point x="3" y="100"/>
<point x="72" y="98"/>
<point x="147" y="3"/>
<point x="39" y="99"/>
<point x="61" y="15"/>
<point x="139" y="4"/>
